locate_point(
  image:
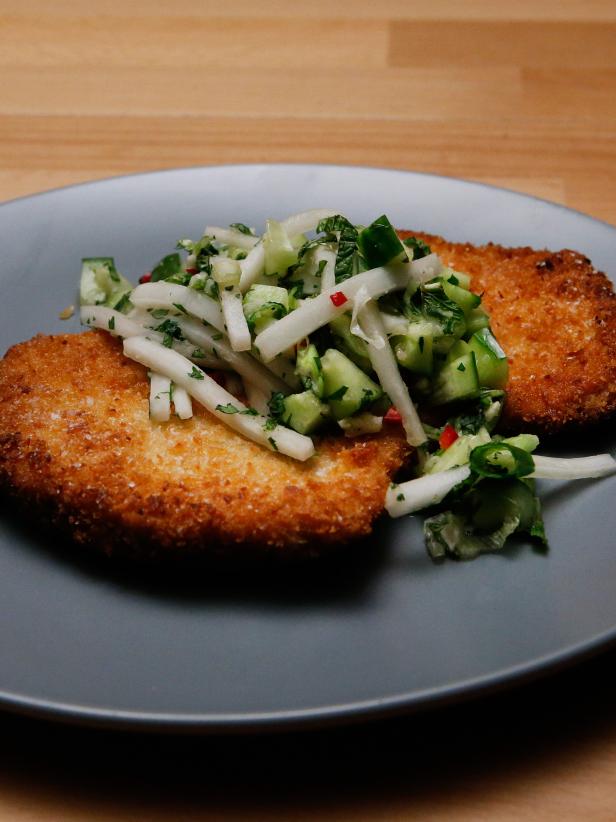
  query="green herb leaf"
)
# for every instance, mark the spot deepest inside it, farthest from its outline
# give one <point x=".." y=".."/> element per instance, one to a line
<point x="229" y="408"/>
<point x="196" y="374"/>
<point x="169" y="265"/>
<point x="418" y="248"/>
<point x="272" y="442"/>
<point x="244" y="229"/>
<point x="180" y="307"/>
<point x="276" y="404"/>
<point x="111" y="324"/>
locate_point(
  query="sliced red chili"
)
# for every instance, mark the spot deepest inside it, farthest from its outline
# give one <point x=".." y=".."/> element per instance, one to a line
<point x="448" y="437"/>
<point x="145" y="278"/>
<point x="192" y="270"/>
<point x="392" y="415"/>
<point x="338" y="298"/>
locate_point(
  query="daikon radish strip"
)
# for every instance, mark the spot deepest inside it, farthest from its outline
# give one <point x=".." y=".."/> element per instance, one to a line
<point x="235" y="321"/>
<point x="160" y="390"/>
<point x="409" y="497"/>
<point x="182" y="403"/>
<point x="219" y="402"/>
<point x="323" y="308"/>
<point x="181" y="298"/>
<point x="230" y="236"/>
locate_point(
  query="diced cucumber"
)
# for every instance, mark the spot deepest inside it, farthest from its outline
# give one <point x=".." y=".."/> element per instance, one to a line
<point x="309" y="369"/>
<point x="225" y="271"/>
<point x="279" y="251"/>
<point x="413" y="350"/>
<point x="347" y="388"/>
<point x="263" y="304"/>
<point x="457" y="380"/>
<point x="354" y="347"/>
<point x="457" y="454"/>
<point x="492" y="364"/>
<point x="304" y="412"/>
<point x="456" y="278"/>
<point x="476" y="320"/>
<point x="527" y="442"/>
<point x="465" y="299"/>
<point x="379" y="244"/>
<point x="458" y="349"/>
<point x="101" y="283"/>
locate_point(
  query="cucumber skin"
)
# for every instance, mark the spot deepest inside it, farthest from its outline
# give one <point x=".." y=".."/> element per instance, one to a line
<point x="304" y="412"/>
<point x="492" y="364"/>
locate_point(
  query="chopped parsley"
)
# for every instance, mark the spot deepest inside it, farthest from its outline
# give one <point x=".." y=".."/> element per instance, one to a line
<point x="272" y="442"/>
<point x="180" y="307"/>
<point x="198" y="354"/>
<point x="111" y="324"/>
<point x="461" y="367"/>
<point x="229" y="408"/>
<point x="158" y="313"/>
<point x="243" y="229"/>
<point x="270" y="424"/>
<point x="196" y="374"/>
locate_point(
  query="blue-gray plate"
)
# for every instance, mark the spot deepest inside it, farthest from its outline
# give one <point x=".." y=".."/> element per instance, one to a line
<point x="384" y="630"/>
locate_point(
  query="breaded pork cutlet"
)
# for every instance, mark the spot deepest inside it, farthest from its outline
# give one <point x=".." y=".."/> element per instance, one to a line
<point x="76" y="442"/>
<point x="555" y="316"/>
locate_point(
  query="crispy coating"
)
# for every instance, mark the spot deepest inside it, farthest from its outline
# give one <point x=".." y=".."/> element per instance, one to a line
<point x="555" y="316"/>
<point x="77" y="444"/>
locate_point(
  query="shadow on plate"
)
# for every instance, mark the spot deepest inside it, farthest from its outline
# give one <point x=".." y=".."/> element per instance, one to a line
<point x="345" y="575"/>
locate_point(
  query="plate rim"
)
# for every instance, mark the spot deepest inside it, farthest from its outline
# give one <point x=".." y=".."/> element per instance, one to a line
<point x="300" y="165"/>
<point x="324" y="715"/>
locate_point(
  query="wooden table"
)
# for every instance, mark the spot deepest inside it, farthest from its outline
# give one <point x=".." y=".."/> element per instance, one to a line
<point x="521" y="94"/>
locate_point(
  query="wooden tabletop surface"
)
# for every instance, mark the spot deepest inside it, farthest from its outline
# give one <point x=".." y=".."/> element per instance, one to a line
<point x="520" y="94"/>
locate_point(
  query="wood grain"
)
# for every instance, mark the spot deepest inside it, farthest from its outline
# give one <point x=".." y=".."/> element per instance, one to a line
<point x="519" y="94"/>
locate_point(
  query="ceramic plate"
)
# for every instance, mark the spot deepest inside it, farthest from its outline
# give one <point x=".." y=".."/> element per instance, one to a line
<point x="385" y="630"/>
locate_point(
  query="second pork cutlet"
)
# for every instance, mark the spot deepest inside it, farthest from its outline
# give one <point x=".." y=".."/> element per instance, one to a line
<point x="77" y="444"/>
<point x="555" y="317"/>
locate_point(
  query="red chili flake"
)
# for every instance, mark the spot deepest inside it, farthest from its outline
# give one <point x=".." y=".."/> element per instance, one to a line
<point x="392" y="415"/>
<point x="448" y="437"/>
<point x="145" y="278"/>
<point x="338" y="298"/>
<point x="192" y="270"/>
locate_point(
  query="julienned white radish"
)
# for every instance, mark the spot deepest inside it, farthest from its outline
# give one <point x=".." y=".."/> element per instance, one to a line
<point x="252" y="267"/>
<point x="210" y="340"/>
<point x="426" y="268"/>
<point x="328" y="275"/>
<point x="232" y="237"/>
<point x="182" y="403"/>
<point x="257" y="397"/>
<point x="320" y="310"/>
<point x="235" y="321"/>
<point x="212" y="396"/>
<point x="409" y="497"/>
<point x="306" y="220"/>
<point x="600" y="465"/>
<point x="384" y="363"/>
<point x="170" y="296"/>
<point x="160" y="391"/>
<point x="107" y="319"/>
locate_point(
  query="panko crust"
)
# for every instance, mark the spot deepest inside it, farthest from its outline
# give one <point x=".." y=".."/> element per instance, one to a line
<point x="77" y="445"/>
<point x="555" y="317"/>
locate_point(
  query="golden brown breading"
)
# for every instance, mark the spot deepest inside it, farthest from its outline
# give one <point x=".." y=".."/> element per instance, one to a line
<point x="555" y="317"/>
<point x="76" y="441"/>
